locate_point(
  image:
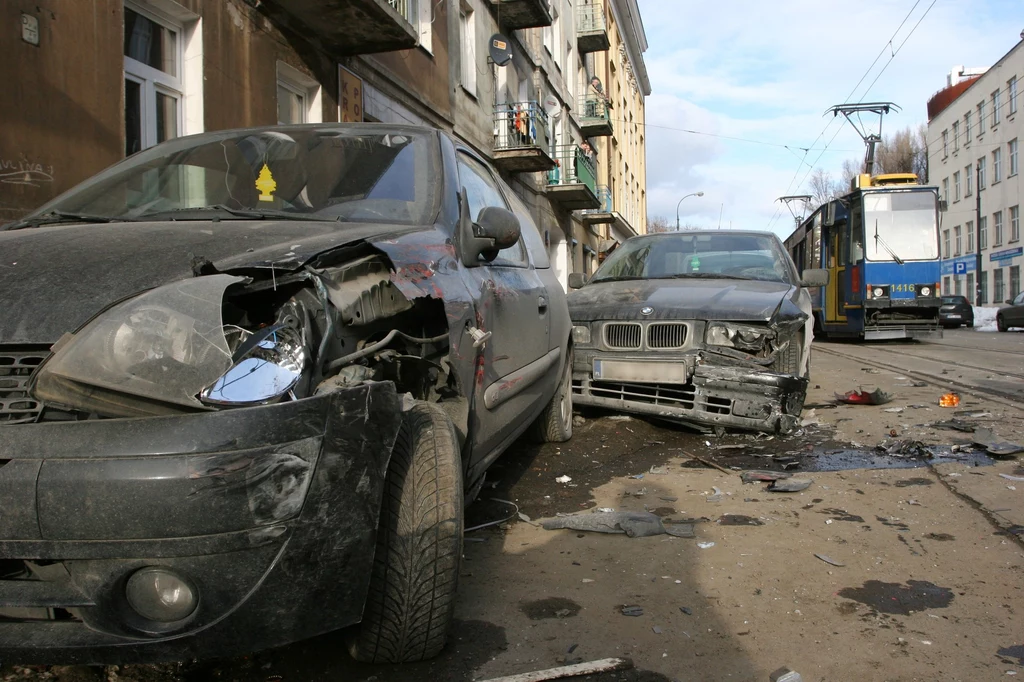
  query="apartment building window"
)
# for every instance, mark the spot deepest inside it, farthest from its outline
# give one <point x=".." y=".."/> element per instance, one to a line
<point x="945" y="243"/>
<point x="298" y="96"/>
<point x="1011" y="148"/>
<point x="1014" y="281"/>
<point x="969" y="178"/>
<point x="945" y="143"/>
<point x="945" y="285"/>
<point x="981" y="173"/>
<point x="983" y="233"/>
<point x="957" y="283"/>
<point x="956" y="240"/>
<point x="945" y="189"/>
<point x="1015" y="223"/>
<point x="997" y="228"/>
<point x="981" y="118"/>
<point x="956" y="136"/>
<point x="153" y="85"/>
<point x="995" y="108"/>
<point x="967" y="128"/>
<point x="997" y="165"/>
<point x="998" y="286"/>
<point x="956" y="186"/>
<point x="970" y="287"/>
<point x="1011" y="88"/>
<point x="983" y="286"/>
<point x="969" y="229"/>
<point x="468" y="35"/>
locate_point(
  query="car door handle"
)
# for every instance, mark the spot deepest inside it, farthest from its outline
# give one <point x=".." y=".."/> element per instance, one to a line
<point x="542" y="304"/>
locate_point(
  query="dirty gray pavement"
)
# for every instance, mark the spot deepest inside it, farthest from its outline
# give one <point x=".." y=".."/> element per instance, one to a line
<point x="908" y="571"/>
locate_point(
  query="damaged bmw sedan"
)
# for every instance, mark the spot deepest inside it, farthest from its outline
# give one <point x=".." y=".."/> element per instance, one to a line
<point x="248" y="380"/>
<point x="708" y="328"/>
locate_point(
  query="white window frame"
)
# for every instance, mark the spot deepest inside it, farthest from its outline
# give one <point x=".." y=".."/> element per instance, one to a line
<point x="956" y="136"/>
<point x="997" y="165"/>
<point x="981" y="173"/>
<point x="969" y="229"/>
<point x="304" y="86"/>
<point x="969" y="178"/>
<point x="186" y="87"/>
<point x="1011" y="87"/>
<point x="995" y="108"/>
<point x="467" y="26"/>
<point x="957" y="240"/>
<point x="945" y="188"/>
<point x="945" y="143"/>
<point x="997" y="228"/>
<point x="956" y="186"/>
<point x="983" y="233"/>
<point x="1015" y="223"/>
<point x="967" y="128"/>
<point x="1011" y="148"/>
<point x="981" y="118"/>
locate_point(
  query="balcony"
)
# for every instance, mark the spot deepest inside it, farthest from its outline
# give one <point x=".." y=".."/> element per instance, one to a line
<point x="595" y="115"/>
<point x="592" y="33"/>
<point x="605" y="214"/>
<point x="572" y="183"/>
<point x="521" y="138"/>
<point x="516" y="14"/>
<point x="348" y="27"/>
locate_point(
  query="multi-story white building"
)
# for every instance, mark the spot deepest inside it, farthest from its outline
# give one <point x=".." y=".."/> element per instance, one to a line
<point x="975" y="126"/>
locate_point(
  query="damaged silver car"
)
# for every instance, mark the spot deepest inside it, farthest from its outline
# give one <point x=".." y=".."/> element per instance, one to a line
<point x="708" y="328"/>
<point x="248" y="380"/>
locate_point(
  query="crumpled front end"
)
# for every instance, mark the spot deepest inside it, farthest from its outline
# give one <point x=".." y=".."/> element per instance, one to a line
<point x="671" y="371"/>
<point x="191" y="535"/>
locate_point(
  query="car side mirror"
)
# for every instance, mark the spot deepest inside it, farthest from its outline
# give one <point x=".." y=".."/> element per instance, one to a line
<point x="1009" y="302"/>
<point x="495" y="229"/>
<point x="577" y="280"/>
<point x="814" y="278"/>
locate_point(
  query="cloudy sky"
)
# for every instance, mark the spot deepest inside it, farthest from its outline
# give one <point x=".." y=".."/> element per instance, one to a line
<point x="765" y="72"/>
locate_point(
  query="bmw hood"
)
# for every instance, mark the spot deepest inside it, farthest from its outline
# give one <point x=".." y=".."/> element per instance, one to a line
<point x="685" y="299"/>
<point x="54" y="279"/>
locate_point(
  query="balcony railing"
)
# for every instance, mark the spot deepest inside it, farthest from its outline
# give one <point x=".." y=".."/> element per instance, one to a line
<point x="520" y="124"/>
<point x="573" y="167"/>
<point x="595" y="115"/>
<point x="604" y="195"/>
<point x="403" y="7"/>
<point x="348" y="27"/>
<point x="591" y="31"/>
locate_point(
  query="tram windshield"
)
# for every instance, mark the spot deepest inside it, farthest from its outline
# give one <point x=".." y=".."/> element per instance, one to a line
<point x="900" y="226"/>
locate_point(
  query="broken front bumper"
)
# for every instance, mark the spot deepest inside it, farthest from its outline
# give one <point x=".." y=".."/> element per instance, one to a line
<point x="269" y="513"/>
<point x="709" y="395"/>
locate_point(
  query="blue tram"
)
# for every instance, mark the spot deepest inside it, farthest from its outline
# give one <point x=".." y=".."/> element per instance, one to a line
<point x="880" y="244"/>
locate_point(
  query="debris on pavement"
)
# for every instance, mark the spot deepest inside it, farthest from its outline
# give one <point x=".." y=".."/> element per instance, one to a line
<point x="904" y="448"/>
<point x="574" y="670"/>
<point x="829" y="560"/>
<point x="949" y="400"/>
<point x="1012" y="478"/>
<point x="955" y="424"/>
<point x="986" y="439"/>
<point x="563" y="479"/>
<point x="687" y="610"/>
<point x="861" y="397"/>
<point x="738" y="520"/>
<point x="705" y="545"/>
<point x="632" y="611"/>
<point x="715" y="496"/>
<point x="758" y="475"/>
<point x="633" y="524"/>
<point x="789" y="485"/>
<point x="785" y="675"/>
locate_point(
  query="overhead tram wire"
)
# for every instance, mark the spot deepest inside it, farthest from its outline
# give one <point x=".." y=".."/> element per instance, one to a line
<point x="867" y="71"/>
<point x="879" y="75"/>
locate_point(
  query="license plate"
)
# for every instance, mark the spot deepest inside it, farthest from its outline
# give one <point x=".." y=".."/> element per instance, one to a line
<point x="640" y="372"/>
<point x="953" y="317"/>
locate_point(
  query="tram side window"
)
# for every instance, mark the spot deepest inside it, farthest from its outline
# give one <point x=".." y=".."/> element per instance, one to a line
<point x="856" y="236"/>
<point x="844" y="244"/>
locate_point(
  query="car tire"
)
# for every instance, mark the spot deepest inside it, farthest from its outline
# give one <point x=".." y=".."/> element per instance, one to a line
<point x="1001" y="324"/>
<point x="554" y="425"/>
<point x="411" y="598"/>
<point x="788" y="361"/>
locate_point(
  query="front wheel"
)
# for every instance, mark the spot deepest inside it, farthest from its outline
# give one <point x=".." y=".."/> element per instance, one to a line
<point x="415" y="571"/>
<point x="554" y="425"/>
<point x="1001" y="324"/>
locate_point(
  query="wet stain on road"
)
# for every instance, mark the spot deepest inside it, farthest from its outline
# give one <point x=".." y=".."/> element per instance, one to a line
<point x="894" y="598"/>
<point x="739" y="520"/>
<point x="842" y="515"/>
<point x="552" y="607"/>
<point x="913" y="481"/>
<point x="892" y="523"/>
<point x="1016" y="651"/>
<point x="939" y="537"/>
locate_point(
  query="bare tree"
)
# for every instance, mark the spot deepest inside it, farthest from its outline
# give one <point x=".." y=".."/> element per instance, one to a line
<point x="851" y="169"/>
<point x="905" y="151"/>
<point x="658" y="223"/>
<point x="822" y="187"/>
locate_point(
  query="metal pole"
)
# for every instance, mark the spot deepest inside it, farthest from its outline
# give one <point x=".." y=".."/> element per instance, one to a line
<point x="977" y="238"/>
<point x="720" y="215"/>
<point x="693" y="194"/>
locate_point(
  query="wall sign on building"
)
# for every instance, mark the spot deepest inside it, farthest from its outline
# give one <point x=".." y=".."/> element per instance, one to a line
<point x="350" y="87"/>
<point x="960" y="265"/>
<point x="1006" y="254"/>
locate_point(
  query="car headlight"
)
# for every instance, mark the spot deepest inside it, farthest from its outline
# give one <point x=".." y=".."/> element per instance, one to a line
<point x="581" y="334"/>
<point x="743" y="337"/>
<point x="159" y="352"/>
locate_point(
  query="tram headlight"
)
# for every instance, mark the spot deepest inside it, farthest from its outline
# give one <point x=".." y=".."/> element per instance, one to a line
<point x="877" y="291"/>
<point x="926" y="291"/>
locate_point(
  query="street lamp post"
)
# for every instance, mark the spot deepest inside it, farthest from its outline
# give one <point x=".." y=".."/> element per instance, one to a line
<point x="694" y="194"/>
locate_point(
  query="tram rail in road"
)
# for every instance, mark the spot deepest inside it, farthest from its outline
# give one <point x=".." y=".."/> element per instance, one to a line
<point x="987" y="365"/>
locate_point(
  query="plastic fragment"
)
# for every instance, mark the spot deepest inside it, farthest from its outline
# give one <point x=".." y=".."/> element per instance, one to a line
<point x="829" y="560"/>
<point x="789" y="485"/>
<point x="861" y="397"/>
<point x="705" y="545"/>
<point x="563" y="479"/>
<point x="632" y="611"/>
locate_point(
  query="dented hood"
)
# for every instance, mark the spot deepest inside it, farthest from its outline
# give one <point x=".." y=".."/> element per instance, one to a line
<point x="54" y="279"/>
<point x="680" y="299"/>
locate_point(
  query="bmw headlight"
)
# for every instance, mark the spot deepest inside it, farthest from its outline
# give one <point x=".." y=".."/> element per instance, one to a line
<point x="581" y="334"/>
<point x="161" y="351"/>
<point x="742" y="337"/>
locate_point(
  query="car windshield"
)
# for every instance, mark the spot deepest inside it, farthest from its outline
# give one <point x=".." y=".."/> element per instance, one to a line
<point x="681" y="255"/>
<point x="363" y="173"/>
<point x="953" y="300"/>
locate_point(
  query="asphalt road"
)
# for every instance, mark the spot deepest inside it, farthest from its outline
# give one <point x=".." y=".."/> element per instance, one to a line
<point x="988" y="363"/>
